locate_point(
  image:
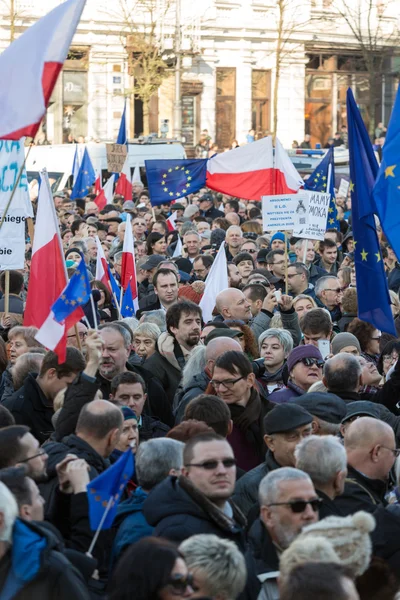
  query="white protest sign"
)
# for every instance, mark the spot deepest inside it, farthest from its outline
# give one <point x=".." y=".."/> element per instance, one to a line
<point x="286" y="211"/>
<point x="317" y="214"/>
<point x="12" y="240"/>
<point x="12" y="155"/>
<point x="343" y="188"/>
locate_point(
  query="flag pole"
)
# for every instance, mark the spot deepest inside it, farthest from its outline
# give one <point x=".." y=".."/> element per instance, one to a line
<point x="286" y="265"/>
<point x="93" y="311"/>
<point x="15" y="186"/>
<point x="117" y="305"/>
<point x="328" y="181"/>
<point x="78" y="339"/>
<point x="305" y="252"/>
<point x="103" y="518"/>
<point x="7" y="294"/>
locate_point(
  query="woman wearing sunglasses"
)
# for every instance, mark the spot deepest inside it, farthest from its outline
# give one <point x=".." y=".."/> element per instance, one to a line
<point x="304" y="365"/>
<point x="151" y="569"/>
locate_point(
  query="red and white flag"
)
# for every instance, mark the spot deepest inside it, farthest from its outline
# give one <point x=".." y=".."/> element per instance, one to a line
<point x="128" y="267"/>
<point x="250" y="172"/>
<point x="97" y="184"/>
<point x="171" y="221"/>
<point x="106" y="194"/>
<point x="31" y="65"/>
<point x="101" y="265"/>
<point x="124" y="185"/>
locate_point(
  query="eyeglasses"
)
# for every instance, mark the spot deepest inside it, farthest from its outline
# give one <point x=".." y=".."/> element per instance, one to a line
<point x="210" y="465"/>
<point x="291" y="275"/>
<point x="376" y="339"/>
<point x="228" y="384"/>
<point x="179" y="583"/>
<point x="299" y="506"/>
<point x="42" y="453"/>
<point x="310" y="362"/>
<point x="82" y="335"/>
<point x="250" y="251"/>
<point x="337" y="290"/>
<point x="396" y="451"/>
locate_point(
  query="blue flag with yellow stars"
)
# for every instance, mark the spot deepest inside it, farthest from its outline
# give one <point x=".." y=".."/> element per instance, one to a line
<point x="85" y="178"/>
<point x="127" y="306"/>
<point x="109" y="487"/>
<point x="387" y="187"/>
<point x="115" y="290"/>
<point x="75" y="295"/>
<point x="318" y="182"/>
<point x="173" y="179"/>
<point x="373" y="297"/>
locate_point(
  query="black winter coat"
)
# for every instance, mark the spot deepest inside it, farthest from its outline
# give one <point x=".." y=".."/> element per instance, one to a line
<point x="246" y="490"/>
<point x="29" y="406"/>
<point x="151" y="429"/>
<point x="168" y="375"/>
<point x="196" y="386"/>
<point x="360" y="493"/>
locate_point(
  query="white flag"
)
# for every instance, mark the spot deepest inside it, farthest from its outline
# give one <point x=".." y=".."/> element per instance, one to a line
<point x="216" y="282"/>
<point x="178" y="248"/>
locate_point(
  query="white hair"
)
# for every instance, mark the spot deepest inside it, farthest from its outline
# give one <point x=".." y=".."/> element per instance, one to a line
<point x="268" y="491"/>
<point x="192" y="232"/>
<point x="9" y="510"/>
<point x="219" y="561"/>
<point x="322" y="457"/>
<point x="232" y="227"/>
<point x="284" y="337"/>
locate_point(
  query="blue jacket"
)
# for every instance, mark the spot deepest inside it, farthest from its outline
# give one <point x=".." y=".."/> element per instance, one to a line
<point x="35" y="568"/>
<point x="132" y="526"/>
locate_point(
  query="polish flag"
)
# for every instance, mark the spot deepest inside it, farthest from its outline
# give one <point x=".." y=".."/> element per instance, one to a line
<point x="31" y="65"/>
<point x="101" y="265"/>
<point x="124" y="185"/>
<point x="97" y="185"/>
<point x="250" y="172"/>
<point x="128" y="267"/>
<point x="106" y="195"/>
<point x="171" y="221"/>
<point x="48" y="275"/>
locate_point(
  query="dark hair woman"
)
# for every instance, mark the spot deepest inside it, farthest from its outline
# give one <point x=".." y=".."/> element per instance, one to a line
<point x="151" y="569"/>
<point x="368" y="337"/>
<point x="235" y="383"/>
<point x="105" y="306"/>
<point x="156" y="244"/>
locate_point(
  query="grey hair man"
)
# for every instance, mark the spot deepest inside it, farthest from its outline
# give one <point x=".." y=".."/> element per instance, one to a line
<point x="233" y="238"/>
<point x="324" y="459"/>
<point x="155" y="460"/>
<point x="329" y="295"/>
<point x="200" y="380"/>
<point x="51" y="574"/>
<point x="288" y="502"/>
<point x="315" y="271"/>
<point x="217" y="565"/>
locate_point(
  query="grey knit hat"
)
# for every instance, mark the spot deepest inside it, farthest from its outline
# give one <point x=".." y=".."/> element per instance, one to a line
<point x="341" y="340"/>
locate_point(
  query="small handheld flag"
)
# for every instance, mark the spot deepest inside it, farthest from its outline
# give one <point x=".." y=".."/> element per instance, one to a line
<point x="77" y="293"/>
<point x="107" y="489"/>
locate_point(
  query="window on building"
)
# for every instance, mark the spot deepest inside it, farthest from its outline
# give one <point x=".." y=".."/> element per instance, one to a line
<point x="261" y="102"/>
<point x="225" y="107"/>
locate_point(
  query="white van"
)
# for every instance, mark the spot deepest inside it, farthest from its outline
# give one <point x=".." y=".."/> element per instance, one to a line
<point x="58" y="159"/>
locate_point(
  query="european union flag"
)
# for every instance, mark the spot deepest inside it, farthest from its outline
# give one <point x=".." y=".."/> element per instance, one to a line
<point x="85" y="178"/>
<point x="114" y="285"/>
<point x="127" y="307"/>
<point x="76" y="294"/>
<point x="318" y="182"/>
<point x="109" y="486"/>
<point x="173" y="179"/>
<point x="122" y="139"/>
<point x="372" y="289"/>
<point x="387" y="187"/>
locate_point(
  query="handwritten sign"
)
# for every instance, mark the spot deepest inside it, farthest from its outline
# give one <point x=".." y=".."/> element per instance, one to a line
<point x="116" y="155"/>
<point x="12" y="155"/>
<point x="343" y="188"/>
<point x="317" y="214"/>
<point x="284" y="212"/>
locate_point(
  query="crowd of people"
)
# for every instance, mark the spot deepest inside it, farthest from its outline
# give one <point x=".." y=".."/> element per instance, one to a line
<point x="265" y="440"/>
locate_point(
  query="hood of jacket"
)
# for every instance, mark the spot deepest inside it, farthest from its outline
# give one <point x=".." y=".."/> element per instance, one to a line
<point x="166" y="346"/>
<point x="75" y="445"/>
<point x="177" y="496"/>
<point x="133" y="504"/>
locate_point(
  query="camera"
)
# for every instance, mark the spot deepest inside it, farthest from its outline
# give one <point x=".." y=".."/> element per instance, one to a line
<point x="258" y="367"/>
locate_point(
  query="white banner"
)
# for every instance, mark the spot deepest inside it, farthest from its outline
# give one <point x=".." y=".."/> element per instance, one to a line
<point x="314" y="227"/>
<point x="12" y="241"/>
<point x="284" y="212"/>
<point x="12" y="155"/>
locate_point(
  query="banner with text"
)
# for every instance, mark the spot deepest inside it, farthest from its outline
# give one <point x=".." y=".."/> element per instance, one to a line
<point x="314" y="227"/>
<point x="12" y="156"/>
<point x="12" y="240"/>
<point x="284" y="212"/>
<point x="116" y="155"/>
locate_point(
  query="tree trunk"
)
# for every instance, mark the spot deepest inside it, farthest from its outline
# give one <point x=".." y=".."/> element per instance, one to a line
<point x="372" y="104"/>
<point x="146" y="117"/>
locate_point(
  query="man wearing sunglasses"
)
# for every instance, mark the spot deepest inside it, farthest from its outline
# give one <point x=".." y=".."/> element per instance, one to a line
<point x="288" y="502"/>
<point x="328" y="294"/>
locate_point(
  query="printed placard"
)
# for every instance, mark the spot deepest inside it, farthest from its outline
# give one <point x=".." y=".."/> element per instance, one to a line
<point x="314" y="227"/>
<point x="284" y="212"/>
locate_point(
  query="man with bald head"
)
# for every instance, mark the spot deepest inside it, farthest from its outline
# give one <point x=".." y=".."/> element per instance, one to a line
<point x="371" y="451"/>
<point x="199" y="382"/>
<point x="233" y="304"/>
<point x="96" y="435"/>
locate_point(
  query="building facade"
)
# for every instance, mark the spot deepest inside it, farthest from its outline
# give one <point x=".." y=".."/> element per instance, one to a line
<point x="229" y="69"/>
